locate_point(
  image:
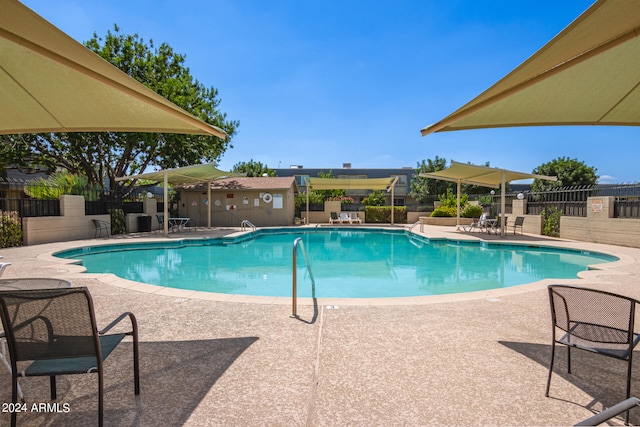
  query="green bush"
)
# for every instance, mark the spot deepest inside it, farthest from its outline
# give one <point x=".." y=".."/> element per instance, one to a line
<point x="117" y="221"/>
<point x="376" y="198"/>
<point x="444" y="211"/>
<point x="551" y="221"/>
<point x="472" y="211"/>
<point x="382" y="214"/>
<point x="10" y="230"/>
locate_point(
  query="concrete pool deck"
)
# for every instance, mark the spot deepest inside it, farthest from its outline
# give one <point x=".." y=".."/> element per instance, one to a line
<point x="467" y="359"/>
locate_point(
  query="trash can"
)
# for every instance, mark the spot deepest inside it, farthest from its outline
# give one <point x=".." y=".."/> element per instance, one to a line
<point x="144" y="223"/>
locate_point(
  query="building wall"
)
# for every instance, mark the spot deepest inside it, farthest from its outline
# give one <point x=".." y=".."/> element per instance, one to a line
<point x="230" y="207"/>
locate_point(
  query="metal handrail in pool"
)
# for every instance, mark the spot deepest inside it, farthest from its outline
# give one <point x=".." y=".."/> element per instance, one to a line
<point x="294" y="292"/>
<point x="247" y="223"/>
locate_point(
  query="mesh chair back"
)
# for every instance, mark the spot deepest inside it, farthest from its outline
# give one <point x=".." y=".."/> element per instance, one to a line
<point x="593" y="315"/>
<point x="49" y="323"/>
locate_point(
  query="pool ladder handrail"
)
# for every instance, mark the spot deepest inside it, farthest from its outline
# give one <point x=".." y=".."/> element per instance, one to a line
<point x="246" y="223"/>
<point x="294" y="285"/>
<point x="414" y="225"/>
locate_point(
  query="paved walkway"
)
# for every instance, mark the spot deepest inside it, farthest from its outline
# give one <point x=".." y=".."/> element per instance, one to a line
<point x="209" y="360"/>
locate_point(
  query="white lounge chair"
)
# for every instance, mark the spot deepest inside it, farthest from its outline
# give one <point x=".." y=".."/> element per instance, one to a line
<point x="344" y="217"/>
<point x="353" y="217"/>
<point x="333" y="217"/>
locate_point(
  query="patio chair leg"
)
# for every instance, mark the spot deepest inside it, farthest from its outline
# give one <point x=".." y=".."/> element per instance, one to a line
<point x="52" y="382"/>
<point x="100" y="400"/>
<point x="553" y="354"/>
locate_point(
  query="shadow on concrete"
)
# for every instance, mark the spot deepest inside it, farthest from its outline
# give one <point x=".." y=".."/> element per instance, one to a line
<point x="602" y="378"/>
<point x="174" y="376"/>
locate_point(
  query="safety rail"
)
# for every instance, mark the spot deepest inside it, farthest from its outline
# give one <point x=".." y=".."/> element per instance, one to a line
<point x="294" y="292"/>
<point x="414" y="225"/>
<point x="246" y="223"/>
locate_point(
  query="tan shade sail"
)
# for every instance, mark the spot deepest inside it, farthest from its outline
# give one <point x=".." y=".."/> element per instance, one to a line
<point x="186" y="175"/>
<point x="481" y="175"/>
<point x="589" y="74"/>
<point x="351" y="184"/>
<point x="51" y="83"/>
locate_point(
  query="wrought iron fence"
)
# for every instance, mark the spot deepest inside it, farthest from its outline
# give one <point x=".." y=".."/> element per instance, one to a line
<point x="31" y="207"/>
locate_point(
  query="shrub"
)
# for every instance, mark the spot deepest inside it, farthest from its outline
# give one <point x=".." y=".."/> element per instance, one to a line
<point x="446" y="211"/>
<point x="10" y="230"/>
<point x="117" y="221"/>
<point x="551" y="221"/>
<point x="376" y="198"/>
<point x="472" y="211"/>
<point x="382" y="214"/>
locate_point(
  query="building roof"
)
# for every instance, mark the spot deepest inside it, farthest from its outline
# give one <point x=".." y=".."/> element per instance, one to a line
<point x="368" y="172"/>
<point x="251" y="183"/>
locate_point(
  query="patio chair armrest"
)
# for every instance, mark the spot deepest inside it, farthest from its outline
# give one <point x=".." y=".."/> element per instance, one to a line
<point x="134" y="324"/>
<point x="611" y="412"/>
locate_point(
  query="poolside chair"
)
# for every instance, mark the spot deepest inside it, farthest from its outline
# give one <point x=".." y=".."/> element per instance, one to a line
<point x="353" y="217"/>
<point x="160" y="219"/>
<point x="55" y="330"/>
<point x="596" y="321"/>
<point x="333" y="217"/>
<point x="517" y="224"/>
<point x="344" y="218"/>
<point x="100" y="226"/>
<point x="475" y="223"/>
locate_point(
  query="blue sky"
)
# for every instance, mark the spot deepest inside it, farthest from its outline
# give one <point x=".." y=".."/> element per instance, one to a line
<point x="320" y="83"/>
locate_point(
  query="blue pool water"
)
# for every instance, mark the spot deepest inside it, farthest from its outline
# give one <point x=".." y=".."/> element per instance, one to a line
<point x="346" y="263"/>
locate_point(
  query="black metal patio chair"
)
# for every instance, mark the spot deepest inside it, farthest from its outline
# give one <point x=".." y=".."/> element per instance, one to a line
<point x="100" y="226"/>
<point x="53" y="332"/>
<point x="593" y="320"/>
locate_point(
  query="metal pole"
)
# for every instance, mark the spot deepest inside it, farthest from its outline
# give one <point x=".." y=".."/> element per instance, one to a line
<point x="294" y="284"/>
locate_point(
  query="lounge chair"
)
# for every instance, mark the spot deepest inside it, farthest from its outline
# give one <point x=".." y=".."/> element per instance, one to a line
<point x="344" y="218"/>
<point x="333" y="217"/>
<point x="479" y="224"/>
<point x="100" y="226"/>
<point x="470" y="227"/>
<point x="353" y="217"/>
<point x="56" y="330"/>
<point x="517" y="224"/>
<point x="596" y="321"/>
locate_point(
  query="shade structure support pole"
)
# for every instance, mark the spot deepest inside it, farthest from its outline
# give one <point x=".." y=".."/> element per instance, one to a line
<point x="166" y="204"/>
<point x="458" y="207"/>
<point x="503" y="204"/>
<point x="308" y="190"/>
<point x="209" y="204"/>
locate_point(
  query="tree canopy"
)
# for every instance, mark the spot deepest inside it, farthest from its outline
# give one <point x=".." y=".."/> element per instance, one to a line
<point x="570" y="172"/>
<point x="426" y="189"/>
<point x="101" y="157"/>
<point x="253" y="168"/>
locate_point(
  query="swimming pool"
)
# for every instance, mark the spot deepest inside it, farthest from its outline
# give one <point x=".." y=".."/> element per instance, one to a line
<point x="346" y="263"/>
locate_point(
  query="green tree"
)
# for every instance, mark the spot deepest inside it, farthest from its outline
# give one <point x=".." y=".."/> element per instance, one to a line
<point x="425" y="189"/>
<point x="569" y="171"/>
<point x="102" y="157"/>
<point x="375" y="198"/>
<point x="253" y="168"/>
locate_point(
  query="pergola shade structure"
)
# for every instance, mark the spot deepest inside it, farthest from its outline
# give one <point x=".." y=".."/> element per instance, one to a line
<point x="385" y="184"/>
<point x="194" y="174"/>
<point x="589" y="74"/>
<point x="51" y="83"/>
<point x="464" y="173"/>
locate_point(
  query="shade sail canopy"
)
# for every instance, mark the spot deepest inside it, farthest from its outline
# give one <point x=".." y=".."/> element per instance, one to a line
<point x="589" y="74"/>
<point x="465" y="173"/>
<point x="51" y="83"/>
<point x="351" y="184"/>
<point x="186" y="175"/>
<point x="481" y="175"/>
